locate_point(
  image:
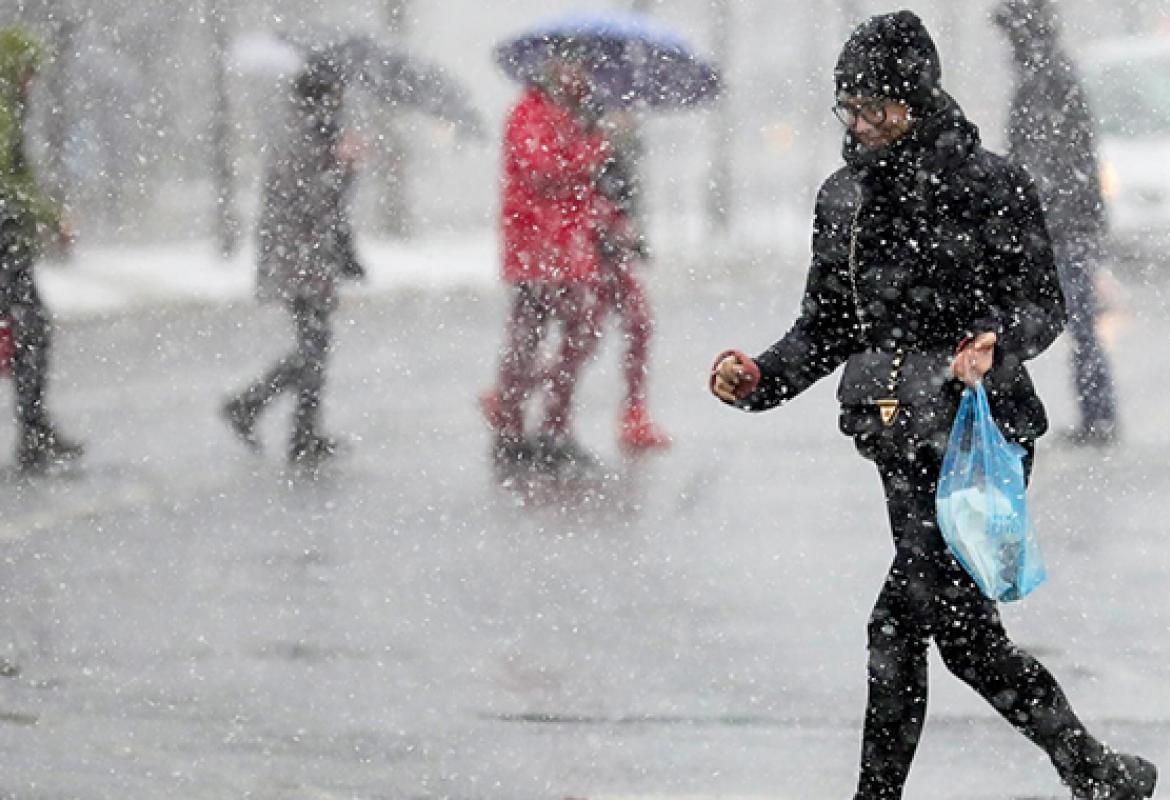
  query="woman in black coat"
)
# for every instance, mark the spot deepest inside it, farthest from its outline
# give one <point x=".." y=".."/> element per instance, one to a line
<point x="931" y="269"/>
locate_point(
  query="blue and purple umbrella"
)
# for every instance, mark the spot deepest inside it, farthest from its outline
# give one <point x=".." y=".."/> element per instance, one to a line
<point x="634" y="60"/>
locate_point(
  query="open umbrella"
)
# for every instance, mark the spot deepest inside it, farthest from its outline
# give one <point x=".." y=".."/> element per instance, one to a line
<point x="634" y="60"/>
<point x="391" y="76"/>
<point x="394" y="77"/>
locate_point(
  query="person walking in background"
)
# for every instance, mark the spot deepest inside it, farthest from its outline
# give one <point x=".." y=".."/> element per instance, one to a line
<point x="931" y="269"/>
<point x="305" y="249"/>
<point x="27" y="218"/>
<point x="1051" y="132"/>
<point x="620" y="287"/>
<point x="551" y="215"/>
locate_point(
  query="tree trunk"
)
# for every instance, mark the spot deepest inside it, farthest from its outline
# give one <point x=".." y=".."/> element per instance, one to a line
<point x="57" y="121"/>
<point x="395" y="153"/>
<point x="718" y="195"/>
<point x="227" y="226"/>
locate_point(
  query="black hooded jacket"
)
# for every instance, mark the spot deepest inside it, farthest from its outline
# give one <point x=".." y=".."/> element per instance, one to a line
<point x="950" y="242"/>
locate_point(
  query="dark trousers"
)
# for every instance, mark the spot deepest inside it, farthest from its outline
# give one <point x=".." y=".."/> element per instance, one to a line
<point x="928" y="596"/>
<point x="1092" y="378"/>
<point x="535" y="307"/>
<point x="21" y="304"/>
<point x="302" y="371"/>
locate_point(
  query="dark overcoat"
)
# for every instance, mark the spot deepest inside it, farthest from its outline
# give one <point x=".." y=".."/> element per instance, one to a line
<point x="305" y="244"/>
<point x="1052" y="134"/>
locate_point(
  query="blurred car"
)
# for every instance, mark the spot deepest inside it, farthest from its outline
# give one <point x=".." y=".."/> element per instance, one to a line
<point x="1128" y="80"/>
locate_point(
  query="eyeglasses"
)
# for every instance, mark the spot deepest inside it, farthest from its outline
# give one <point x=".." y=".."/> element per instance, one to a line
<point x="872" y="111"/>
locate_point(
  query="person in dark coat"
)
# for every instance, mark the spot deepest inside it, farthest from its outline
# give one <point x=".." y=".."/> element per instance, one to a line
<point x="27" y="215"/>
<point x="1051" y="132"/>
<point x="926" y="246"/>
<point x="305" y="250"/>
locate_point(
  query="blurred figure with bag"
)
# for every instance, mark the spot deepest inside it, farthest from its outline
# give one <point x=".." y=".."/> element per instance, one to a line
<point x="29" y="219"/>
<point x="1052" y="134"/>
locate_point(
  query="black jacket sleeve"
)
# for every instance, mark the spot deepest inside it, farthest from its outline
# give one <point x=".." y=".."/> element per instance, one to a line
<point x="825" y="333"/>
<point x="1027" y="305"/>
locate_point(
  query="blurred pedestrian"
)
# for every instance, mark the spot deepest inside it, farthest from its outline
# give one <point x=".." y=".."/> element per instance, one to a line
<point x="620" y="286"/>
<point x="1051" y="132"/>
<point x="931" y="269"/>
<point x="29" y="219"/>
<point x="305" y="249"/>
<point x="552" y="213"/>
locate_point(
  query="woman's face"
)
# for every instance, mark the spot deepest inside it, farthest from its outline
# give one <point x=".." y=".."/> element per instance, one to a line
<point x="876" y="122"/>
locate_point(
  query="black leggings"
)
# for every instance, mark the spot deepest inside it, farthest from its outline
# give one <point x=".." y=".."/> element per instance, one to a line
<point x="928" y="595"/>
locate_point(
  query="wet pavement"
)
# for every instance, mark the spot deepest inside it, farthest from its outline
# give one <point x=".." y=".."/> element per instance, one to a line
<point x="193" y="621"/>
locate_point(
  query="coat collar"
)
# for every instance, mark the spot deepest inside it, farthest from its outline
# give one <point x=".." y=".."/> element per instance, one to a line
<point x="936" y="144"/>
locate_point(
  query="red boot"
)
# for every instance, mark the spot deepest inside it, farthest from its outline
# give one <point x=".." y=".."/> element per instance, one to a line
<point x="639" y="432"/>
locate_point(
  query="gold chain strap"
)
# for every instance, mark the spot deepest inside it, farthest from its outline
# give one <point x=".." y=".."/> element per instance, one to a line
<point x="889" y="406"/>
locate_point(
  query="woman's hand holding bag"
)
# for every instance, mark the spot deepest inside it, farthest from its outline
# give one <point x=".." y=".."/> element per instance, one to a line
<point x="974" y="358"/>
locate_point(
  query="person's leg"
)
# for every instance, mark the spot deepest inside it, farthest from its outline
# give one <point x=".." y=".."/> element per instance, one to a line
<point x="975" y="648"/>
<point x="578" y="310"/>
<point x="638" y="430"/>
<point x="242" y="410"/>
<point x="898" y="631"/>
<point x="39" y="443"/>
<point x="637" y="327"/>
<point x="1092" y="377"/>
<point x="30" y="355"/>
<point x="314" y="337"/>
<point x="517" y="376"/>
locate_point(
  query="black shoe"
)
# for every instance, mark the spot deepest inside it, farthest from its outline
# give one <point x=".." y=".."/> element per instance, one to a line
<point x="42" y="447"/>
<point x="507" y="452"/>
<point x="1116" y="777"/>
<point x="242" y="421"/>
<point x="311" y="451"/>
<point x="564" y="453"/>
<point x="1097" y="434"/>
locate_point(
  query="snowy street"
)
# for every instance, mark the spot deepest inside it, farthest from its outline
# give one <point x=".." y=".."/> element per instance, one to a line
<point x="193" y="621"/>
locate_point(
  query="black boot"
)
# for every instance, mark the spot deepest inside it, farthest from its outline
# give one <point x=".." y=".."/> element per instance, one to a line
<point x="310" y="451"/>
<point x="241" y="418"/>
<point x="1116" y="777"/>
<point x="42" y="447"/>
<point x="1096" y="772"/>
<point x="561" y="453"/>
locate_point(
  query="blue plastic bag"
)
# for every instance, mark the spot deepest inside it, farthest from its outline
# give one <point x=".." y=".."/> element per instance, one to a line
<point x="981" y="504"/>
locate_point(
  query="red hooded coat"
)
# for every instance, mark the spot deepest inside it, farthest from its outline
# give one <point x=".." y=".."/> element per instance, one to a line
<point x="551" y="208"/>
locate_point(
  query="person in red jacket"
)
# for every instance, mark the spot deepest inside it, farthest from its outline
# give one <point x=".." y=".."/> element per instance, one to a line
<point x="551" y="216"/>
